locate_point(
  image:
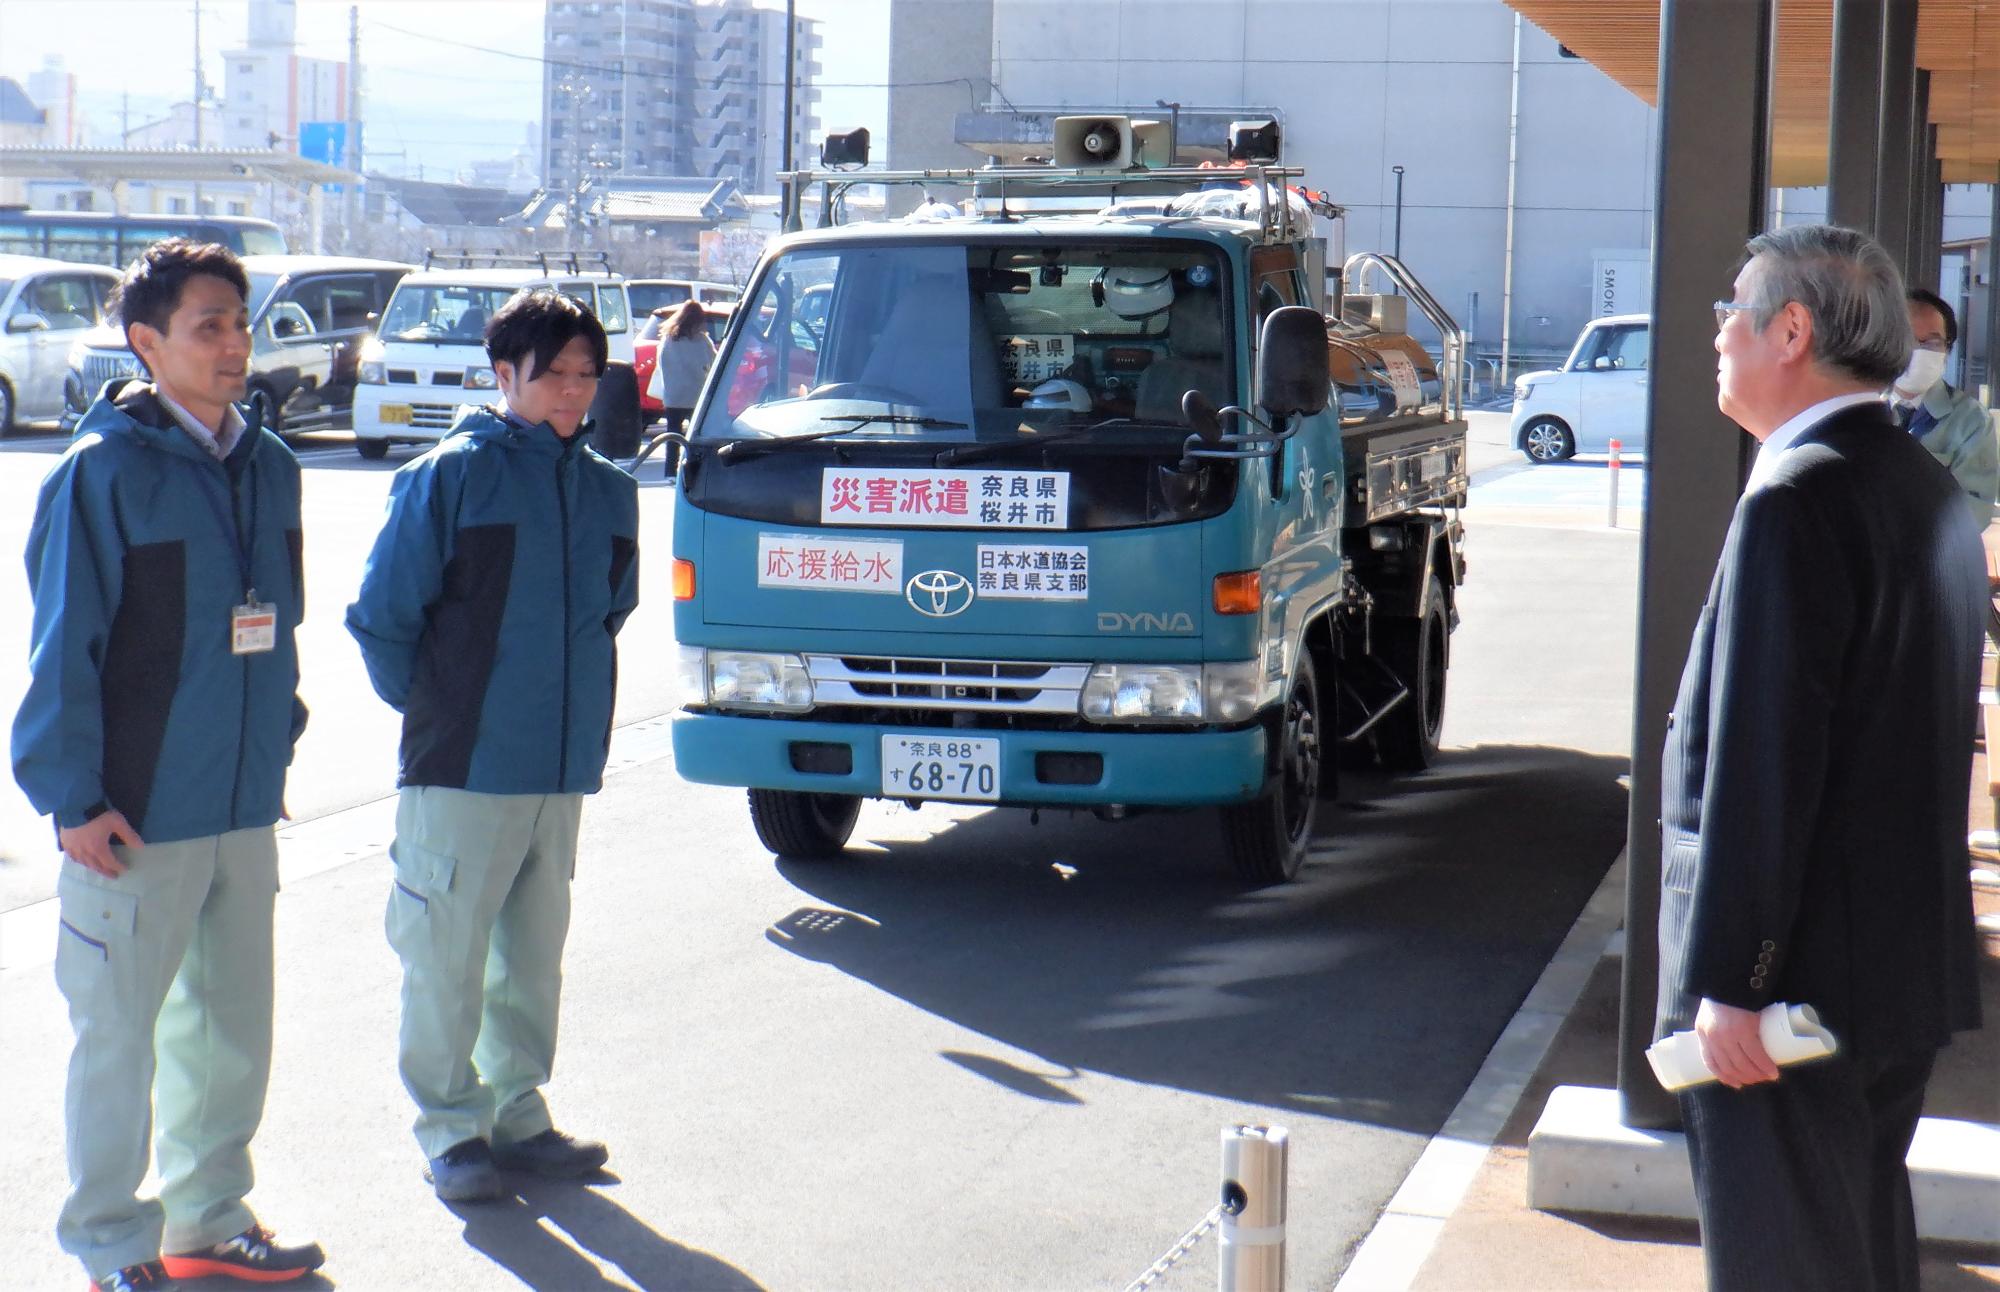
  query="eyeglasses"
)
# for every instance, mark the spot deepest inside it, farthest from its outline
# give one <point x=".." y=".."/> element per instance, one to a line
<point x="1723" y="309"/>
<point x="1935" y="347"/>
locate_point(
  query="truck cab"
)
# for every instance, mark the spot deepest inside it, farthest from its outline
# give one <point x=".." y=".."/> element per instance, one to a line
<point x="1094" y="510"/>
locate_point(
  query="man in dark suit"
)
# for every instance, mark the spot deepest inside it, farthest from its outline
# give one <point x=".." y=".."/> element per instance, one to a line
<point x="1814" y="782"/>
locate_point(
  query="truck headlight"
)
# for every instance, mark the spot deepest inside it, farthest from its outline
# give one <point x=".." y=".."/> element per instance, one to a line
<point x="479" y="379"/>
<point x="370" y="372"/>
<point x="1143" y="693"/>
<point x="758" y="679"/>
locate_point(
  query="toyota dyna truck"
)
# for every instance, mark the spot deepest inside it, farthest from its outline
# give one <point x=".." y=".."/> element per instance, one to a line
<point x="1086" y="505"/>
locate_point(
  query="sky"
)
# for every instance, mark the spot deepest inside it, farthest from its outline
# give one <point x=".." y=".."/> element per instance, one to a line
<point x="428" y="97"/>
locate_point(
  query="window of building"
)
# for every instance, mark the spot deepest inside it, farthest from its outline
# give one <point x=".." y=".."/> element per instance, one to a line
<point x="246" y="68"/>
<point x="177" y="206"/>
<point x="239" y="208"/>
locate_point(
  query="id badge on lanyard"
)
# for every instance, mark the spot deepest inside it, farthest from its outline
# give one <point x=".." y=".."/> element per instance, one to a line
<point x="253" y="626"/>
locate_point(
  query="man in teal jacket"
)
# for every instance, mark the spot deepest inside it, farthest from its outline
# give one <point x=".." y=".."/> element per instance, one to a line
<point x="487" y="616"/>
<point x="162" y="707"/>
<point x="1950" y="423"/>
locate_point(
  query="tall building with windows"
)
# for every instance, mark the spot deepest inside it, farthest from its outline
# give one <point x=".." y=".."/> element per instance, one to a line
<point x="673" y="88"/>
<point x="272" y="97"/>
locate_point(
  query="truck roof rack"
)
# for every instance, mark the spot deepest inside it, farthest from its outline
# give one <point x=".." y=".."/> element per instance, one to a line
<point x="574" y="262"/>
<point x="1002" y="182"/>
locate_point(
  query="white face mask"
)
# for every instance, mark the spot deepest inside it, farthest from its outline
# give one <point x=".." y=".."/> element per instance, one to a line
<point x="1926" y="370"/>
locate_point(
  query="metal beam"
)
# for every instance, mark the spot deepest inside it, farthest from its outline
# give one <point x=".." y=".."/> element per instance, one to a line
<point x="1899" y="106"/>
<point x="1714" y="159"/>
<point x="1993" y="298"/>
<point x="1911" y="155"/>
<point x="1928" y="237"/>
<point x="1855" y="111"/>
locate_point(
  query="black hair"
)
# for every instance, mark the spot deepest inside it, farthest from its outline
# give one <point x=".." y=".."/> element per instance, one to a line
<point x="1923" y="296"/>
<point x="150" y="291"/>
<point x="540" y="321"/>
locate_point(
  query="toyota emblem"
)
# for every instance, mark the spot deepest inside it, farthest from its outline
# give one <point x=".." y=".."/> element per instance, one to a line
<point x="938" y="593"/>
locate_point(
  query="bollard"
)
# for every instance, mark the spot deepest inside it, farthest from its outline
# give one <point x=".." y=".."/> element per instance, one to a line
<point x="1252" y="1252"/>
<point x="1616" y="445"/>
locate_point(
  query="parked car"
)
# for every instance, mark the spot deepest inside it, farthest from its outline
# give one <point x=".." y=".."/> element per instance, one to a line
<point x="46" y="305"/>
<point x="309" y="316"/>
<point x="428" y="356"/>
<point x="1597" y="396"/>
<point x="651" y="294"/>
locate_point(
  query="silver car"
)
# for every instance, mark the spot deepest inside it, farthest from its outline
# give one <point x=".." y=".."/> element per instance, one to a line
<point x="45" y="305"/>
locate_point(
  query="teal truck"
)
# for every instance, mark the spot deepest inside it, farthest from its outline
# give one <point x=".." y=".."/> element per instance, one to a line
<point x="1103" y="491"/>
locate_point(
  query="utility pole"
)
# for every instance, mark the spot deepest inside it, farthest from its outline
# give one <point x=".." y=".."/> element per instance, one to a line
<point x="350" y="214"/>
<point x="200" y="93"/>
<point x="624" y="89"/>
<point x="791" y="64"/>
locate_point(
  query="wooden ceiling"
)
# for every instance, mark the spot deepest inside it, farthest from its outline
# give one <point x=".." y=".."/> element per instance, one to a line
<point x="1958" y="42"/>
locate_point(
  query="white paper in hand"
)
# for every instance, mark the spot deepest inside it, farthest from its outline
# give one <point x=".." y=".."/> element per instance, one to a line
<point x="1791" y="1034"/>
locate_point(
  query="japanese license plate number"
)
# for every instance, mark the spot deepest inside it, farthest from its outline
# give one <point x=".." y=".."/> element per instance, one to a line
<point x="941" y="767"/>
<point x="396" y="414"/>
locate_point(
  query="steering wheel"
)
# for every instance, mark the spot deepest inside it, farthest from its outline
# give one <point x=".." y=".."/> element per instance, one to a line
<point x="861" y="390"/>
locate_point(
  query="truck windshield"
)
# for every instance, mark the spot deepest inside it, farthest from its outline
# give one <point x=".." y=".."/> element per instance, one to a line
<point x="441" y="313"/>
<point x="977" y="343"/>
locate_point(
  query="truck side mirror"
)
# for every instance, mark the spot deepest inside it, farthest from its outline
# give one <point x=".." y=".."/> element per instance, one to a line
<point x="1293" y="376"/>
<point x="1200" y="413"/>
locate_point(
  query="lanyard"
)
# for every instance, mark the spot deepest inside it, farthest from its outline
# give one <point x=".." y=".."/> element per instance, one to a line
<point x="225" y="515"/>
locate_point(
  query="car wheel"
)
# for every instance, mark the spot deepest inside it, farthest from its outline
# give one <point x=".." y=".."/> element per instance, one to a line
<point x="6" y="409"/>
<point x="1547" y="440"/>
<point x="372" y="449"/>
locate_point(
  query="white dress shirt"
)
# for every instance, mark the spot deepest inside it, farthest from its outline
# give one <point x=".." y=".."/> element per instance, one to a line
<point x="218" y="446"/>
<point x="1787" y="435"/>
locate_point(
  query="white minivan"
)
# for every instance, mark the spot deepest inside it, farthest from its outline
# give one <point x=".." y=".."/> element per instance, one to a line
<point x="1597" y="396"/>
<point x="428" y="356"/>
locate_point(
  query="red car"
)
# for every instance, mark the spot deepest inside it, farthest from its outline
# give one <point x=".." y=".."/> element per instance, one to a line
<point x="749" y="384"/>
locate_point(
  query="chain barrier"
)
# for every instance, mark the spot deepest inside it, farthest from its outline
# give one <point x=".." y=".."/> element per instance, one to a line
<point x="1178" y="1252"/>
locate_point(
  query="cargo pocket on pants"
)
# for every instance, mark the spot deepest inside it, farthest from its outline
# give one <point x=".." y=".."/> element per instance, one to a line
<point x="417" y="896"/>
<point x="94" y="937"/>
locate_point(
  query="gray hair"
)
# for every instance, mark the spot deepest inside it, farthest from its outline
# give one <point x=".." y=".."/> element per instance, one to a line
<point x="1850" y="287"/>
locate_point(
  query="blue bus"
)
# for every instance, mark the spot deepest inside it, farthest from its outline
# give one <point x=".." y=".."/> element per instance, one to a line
<point x="101" y="238"/>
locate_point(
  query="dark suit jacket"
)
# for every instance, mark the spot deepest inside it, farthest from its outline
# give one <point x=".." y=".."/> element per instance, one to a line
<point x="1817" y="759"/>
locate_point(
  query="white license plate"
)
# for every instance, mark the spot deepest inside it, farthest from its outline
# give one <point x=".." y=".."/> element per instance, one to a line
<point x="941" y="767"/>
<point x="395" y="414"/>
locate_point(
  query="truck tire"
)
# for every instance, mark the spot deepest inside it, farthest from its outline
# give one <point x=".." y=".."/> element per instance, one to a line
<point x="805" y="827"/>
<point x="1418" y="652"/>
<point x="371" y="449"/>
<point x="1268" y="836"/>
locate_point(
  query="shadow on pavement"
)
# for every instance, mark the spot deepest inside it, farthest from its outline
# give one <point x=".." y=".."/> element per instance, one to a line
<point x="516" y="1234"/>
<point x="1369" y="989"/>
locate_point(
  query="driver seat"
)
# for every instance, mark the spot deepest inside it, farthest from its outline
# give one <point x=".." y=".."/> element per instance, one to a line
<point x="1193" y="360"/>
<point x="919" y="353"/>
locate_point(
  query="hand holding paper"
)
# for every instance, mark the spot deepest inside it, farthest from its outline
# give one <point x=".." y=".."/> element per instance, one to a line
<point x="1790" y="1033"/>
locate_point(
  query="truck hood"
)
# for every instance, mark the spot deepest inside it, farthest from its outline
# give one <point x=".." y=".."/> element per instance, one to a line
<point x="932" y="592"/>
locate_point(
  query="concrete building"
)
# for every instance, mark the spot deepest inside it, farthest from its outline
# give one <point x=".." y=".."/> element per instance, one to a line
<point x="672" y="88"/>
<point x="1560" y="195"/>
<point x="53" y="88"/>
<point x="269" y="90"/>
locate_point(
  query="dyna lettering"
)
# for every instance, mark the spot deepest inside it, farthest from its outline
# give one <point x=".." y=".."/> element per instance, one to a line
<point x="1112" y="621"/>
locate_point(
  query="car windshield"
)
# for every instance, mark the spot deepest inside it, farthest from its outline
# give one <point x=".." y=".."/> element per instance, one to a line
<point x="261" y="286"/>
<point x="647" y="297"/>
<point x="259" y="241"/>
<point x="977" y="343"/>
<point x="441" y="313"/>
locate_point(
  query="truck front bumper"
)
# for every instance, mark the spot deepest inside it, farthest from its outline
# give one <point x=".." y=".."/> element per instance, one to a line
<point x="1141" y="768"/>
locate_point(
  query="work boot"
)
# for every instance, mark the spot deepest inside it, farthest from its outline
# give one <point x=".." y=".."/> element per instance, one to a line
<point x="552" y="1155"/>
<point x="465" y="1173"/>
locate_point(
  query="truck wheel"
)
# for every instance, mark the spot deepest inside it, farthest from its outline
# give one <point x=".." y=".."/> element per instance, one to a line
<point x="373" y="450"/>
<point x="808" y="827"/>
<point x="1267" y="836"/>
<point x="1417" y="651"/>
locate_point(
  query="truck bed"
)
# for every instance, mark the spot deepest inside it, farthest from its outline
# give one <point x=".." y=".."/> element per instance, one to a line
<point x="1400" y="464"/>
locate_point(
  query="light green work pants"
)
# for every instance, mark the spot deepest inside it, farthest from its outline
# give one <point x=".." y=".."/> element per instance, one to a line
<point x="478" y="912"/>
<point x="171" y="958"/>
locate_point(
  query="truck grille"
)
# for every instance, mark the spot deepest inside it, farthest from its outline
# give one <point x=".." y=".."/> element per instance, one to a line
<point x="432" y="417"/>
<point x="100" y="368"/>
<point x="402" y="376"/>
<point x="1010" y="686"/>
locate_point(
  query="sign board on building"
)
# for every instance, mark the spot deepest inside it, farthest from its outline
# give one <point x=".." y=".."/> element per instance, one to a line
<point x="1621" y="282"/>
<point x="728" y="255"/>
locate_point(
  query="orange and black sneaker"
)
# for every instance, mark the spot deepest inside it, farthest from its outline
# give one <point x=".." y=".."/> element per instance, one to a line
<point x="255" y="1255"/>
<point x="146" y="1276"/>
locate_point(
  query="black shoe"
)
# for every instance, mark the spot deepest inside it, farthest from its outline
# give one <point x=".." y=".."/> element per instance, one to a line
<point x="465" y="1173"/>
<point x="146" y="1276"/>
<point x="552" y="1155"/>
<point x="254" y="1255"/>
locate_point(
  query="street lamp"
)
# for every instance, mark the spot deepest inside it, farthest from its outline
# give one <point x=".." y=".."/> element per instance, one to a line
<point x="1399" y="212"/>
